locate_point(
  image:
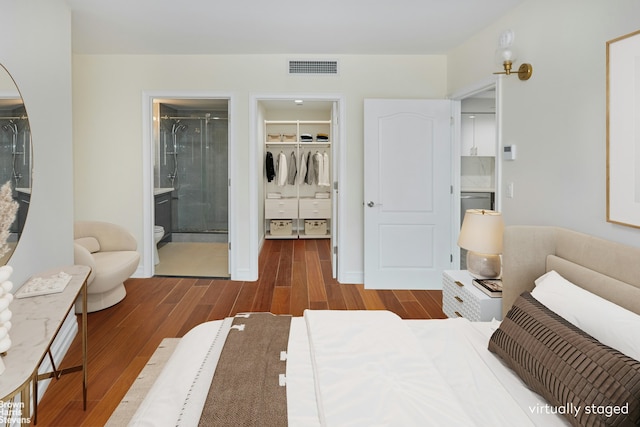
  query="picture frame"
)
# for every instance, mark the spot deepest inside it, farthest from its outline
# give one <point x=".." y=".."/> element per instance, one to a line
<point x="623" y="130"/>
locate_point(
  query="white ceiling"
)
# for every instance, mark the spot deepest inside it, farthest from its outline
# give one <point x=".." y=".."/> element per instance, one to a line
<point x="278" y="26"/>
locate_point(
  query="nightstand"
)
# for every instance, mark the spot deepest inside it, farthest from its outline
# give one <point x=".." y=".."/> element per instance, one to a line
<point x="460" y="298"/>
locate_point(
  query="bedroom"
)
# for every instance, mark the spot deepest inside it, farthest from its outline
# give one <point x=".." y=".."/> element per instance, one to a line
<point x="568" y="137"/>
<point x="571" y="139"/>
<point x="97" y="92"/>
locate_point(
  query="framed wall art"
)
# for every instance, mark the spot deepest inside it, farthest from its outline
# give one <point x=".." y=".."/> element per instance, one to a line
<point x="623" y="130"/>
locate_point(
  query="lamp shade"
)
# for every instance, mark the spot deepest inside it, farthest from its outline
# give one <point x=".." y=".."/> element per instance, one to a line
<point x="482" y="231"/>
<point x="506" y="51"/>
<point x="505" y="54"/>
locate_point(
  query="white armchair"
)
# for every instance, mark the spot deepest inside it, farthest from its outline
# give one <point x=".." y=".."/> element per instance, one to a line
<point x="110" y="251"/>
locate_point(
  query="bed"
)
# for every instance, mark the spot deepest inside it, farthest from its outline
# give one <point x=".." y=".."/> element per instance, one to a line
<point x="552" y="361"/>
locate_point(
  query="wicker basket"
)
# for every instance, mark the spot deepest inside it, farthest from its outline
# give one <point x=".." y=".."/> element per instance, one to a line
<point x="315" y="227"/>
<point x="281" y="227"/>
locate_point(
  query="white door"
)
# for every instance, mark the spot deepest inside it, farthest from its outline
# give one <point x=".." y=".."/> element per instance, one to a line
<point x="335" y="136"/>
<point x="407" y="190"/>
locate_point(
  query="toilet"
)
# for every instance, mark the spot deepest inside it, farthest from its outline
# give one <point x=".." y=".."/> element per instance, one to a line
<point x="158" y="234"/>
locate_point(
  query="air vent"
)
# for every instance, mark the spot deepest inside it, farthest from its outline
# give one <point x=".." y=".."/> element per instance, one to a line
<point x="313" y="67"/>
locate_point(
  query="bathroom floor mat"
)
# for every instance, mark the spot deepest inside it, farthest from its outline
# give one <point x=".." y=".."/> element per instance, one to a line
<point x="193" y="259"/>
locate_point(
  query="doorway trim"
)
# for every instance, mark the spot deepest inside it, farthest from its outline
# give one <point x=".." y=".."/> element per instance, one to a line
<point x="148" y="220"/>
<point x="338" y="170"/>
<point x="458" y="96"/>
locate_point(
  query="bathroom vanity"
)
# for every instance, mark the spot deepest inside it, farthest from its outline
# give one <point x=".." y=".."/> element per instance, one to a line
<point x="163" y="207"/>
<point x="24" y="199"/>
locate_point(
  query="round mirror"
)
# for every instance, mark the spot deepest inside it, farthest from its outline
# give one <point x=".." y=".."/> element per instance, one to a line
<point x="15" y="154"/>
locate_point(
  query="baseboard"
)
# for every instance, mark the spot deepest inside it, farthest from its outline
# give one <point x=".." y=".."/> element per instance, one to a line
<point x="140" y="273"/>
<point x="351" y="278"/>
<point x="243" y="275"/>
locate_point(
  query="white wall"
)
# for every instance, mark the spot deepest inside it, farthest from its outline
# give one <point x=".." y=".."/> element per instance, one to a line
<point x="557" y="118"/>
<point x="107" y="94"/>
<point x="35" y="47"/>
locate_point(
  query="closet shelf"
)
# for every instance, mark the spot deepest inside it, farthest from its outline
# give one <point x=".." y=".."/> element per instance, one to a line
<point x="301" y="144"/>
<point x="298" y="203"/>
<point x="300" y="122"/>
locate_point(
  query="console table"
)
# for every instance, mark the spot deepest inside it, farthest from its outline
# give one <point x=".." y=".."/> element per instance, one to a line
<point x="36" y="322"/>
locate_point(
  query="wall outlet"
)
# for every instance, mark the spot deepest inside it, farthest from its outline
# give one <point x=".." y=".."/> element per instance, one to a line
<point x="510" y="190"/>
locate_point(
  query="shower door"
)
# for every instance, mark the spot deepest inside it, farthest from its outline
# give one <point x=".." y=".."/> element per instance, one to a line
<point x="194" y="156"/>
<point x="15" y="162"/>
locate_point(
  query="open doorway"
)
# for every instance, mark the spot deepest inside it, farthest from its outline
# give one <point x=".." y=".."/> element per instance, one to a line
<point x="190" y="187"/>
<point x="300" y="126"/>
<point x="478" y="154"/>
<point x="478" y="163"/>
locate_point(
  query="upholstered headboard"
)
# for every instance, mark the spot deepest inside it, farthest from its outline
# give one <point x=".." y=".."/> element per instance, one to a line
<point x="608" y="269"/>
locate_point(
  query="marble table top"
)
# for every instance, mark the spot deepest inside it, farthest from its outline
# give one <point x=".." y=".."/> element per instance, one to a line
<point x="35" y="323"/>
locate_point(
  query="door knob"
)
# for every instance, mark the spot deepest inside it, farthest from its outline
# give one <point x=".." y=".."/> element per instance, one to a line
<point x="371" y="204"/>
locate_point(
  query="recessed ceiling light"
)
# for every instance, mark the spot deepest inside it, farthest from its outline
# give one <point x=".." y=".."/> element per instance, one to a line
<point x="298" y="101"/>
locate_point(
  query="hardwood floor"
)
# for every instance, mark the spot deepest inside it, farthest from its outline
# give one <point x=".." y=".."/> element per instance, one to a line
<point x="294" y="275"/>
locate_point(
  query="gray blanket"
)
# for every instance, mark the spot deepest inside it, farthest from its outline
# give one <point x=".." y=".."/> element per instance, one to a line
<point x="245" y="390"/>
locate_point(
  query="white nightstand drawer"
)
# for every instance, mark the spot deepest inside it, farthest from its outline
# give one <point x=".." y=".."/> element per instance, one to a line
<point x="315" y="208"/>
<point x="460" y="298"/>
<point x="281" y="208"/>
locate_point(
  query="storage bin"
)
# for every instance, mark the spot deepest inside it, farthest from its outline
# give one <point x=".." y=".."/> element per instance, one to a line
<point x="289" y="137"/>
<point x="315" y="227"/>
<point x="274" y="137"/>
<point x="281" y="227"/>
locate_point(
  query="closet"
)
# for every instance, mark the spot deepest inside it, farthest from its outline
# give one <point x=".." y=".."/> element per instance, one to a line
<point x="297" y="183"/>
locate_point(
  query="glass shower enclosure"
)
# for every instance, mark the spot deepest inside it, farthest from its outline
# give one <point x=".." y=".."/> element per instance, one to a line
<point x="192" y="158"/>
<point x="15" y="159"/>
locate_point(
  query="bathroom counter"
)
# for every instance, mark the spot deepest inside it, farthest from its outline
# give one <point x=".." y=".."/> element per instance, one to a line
<point x="158" y="191"/>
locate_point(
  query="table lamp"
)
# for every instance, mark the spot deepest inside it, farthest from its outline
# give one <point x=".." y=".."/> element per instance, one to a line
<point x="481" y="236"/>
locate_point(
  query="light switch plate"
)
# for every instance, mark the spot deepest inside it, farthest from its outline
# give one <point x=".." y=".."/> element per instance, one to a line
<point x="509" y="152"/>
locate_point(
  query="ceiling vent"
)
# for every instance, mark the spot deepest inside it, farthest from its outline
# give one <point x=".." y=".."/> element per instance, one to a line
<point x="313" y="67"/>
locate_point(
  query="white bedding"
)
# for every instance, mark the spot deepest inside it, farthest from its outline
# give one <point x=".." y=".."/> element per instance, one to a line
<point x="491" y="392"/>
<point x="369" y="370"/>
<point x="430" y="372"/>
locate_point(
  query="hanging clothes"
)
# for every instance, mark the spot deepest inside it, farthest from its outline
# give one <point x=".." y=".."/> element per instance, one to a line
<point x="317" y="166"/>
<point x="311" y="170"/>
<point x="326" y="168"/>
<point x="323" y="170"/>
<point x="269" y="166"/>
<point x="293" y="170"/>
<point x="302" y="171"/>
<point x="281" y="170"/>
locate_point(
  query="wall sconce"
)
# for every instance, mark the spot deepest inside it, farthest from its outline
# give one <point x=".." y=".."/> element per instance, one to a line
<point x="507" y="56"/>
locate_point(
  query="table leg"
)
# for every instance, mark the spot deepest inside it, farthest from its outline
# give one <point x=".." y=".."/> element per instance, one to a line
<point x="25" y="397"/>
<point x="84" y="345"/>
